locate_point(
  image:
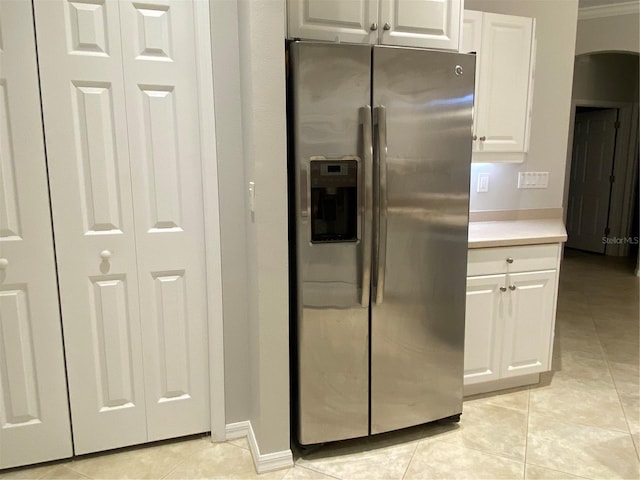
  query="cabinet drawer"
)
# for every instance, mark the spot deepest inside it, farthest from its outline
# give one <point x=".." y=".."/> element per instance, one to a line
<point x="487" y="261"/>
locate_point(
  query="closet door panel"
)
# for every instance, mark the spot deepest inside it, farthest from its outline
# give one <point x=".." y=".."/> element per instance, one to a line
<point x="162" y="110"/>
<point x="85" y="120"/>
<point x="34" y="413"/>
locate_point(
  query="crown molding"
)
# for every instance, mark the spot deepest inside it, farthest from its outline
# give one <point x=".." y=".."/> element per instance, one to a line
<point x="613" y="10"/>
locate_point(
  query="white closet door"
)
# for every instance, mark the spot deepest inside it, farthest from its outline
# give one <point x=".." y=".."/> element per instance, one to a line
<point x="34" y="413"/>
<point x="86" y="134"/>
<point x="159" y="55"/>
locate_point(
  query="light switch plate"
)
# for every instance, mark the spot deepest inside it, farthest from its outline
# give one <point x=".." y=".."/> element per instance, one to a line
<point x="252" y="197"/>
<point x="483" y="182"/>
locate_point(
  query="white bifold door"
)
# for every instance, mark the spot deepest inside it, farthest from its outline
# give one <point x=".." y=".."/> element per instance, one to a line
<point x="34" y="413"/>
<point x="121" y="116"/>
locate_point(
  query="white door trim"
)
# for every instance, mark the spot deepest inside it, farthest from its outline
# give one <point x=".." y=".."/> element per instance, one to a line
<point x="211" y="217"/>
<point x="624" y="168"/>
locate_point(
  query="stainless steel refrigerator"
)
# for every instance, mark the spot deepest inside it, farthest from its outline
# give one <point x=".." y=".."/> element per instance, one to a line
<point x="381" y="151"/>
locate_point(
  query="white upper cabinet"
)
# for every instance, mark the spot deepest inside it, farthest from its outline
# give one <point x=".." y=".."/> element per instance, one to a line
<point x="353" y="21"/>
<point x="504" y="82"/>
<point x="412" y="23"/>
<point x="471" y="34"/>
<point x="420" y="23"/>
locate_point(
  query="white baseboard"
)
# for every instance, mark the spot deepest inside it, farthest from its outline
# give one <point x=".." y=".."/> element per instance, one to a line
<point x="502" y="384"/>
<point x="263" y="463"/>
<point x="238" y="430"/>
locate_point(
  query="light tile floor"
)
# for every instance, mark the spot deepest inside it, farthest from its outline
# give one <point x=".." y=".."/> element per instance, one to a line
<point x="581" y="421"/>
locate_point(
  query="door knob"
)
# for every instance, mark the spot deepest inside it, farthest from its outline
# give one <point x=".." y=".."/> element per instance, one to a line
<point x="475" y="137"/>
<point x="387" y="26"/>
<point x="483" y="138"/>
<point x="105" y="255"/>
<point x="374" y="27"/>
<point x="512" y="287"/>
<point x="4" y="263"/>
<point x="503" y="289"/>
<point x="509" y="260"/>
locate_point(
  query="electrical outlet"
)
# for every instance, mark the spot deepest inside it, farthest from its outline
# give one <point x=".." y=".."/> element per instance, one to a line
<point x="483" y="183"/>
<point x="533" y="179"/>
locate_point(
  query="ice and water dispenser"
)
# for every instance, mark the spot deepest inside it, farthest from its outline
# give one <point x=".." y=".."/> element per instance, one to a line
<point x="334" y="201"/>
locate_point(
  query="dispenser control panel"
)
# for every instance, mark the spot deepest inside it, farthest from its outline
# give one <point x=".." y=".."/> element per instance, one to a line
<point x="334" y="199"/>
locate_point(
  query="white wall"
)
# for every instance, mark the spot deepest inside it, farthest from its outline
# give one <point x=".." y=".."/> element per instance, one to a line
<point x="611" y="77"/>
<point x="261" y="33"/>
<point x="249" y="86"/>
<point x="231" y="191"/>
<point x="555" y="30"/>
<point x="608" y="34"/>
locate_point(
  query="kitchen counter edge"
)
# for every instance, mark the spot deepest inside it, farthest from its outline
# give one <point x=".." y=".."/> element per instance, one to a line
<point x="506" y="233"/>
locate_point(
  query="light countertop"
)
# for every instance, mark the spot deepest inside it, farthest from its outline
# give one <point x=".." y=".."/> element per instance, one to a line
<point x="516" y="232"/>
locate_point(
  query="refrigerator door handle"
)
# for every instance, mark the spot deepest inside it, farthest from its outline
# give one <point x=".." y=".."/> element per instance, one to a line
<point x="367" y="201"/>
<point x="380" y="119"/>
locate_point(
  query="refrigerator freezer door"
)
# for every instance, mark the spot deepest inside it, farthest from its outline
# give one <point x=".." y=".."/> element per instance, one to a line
<point x="331" y="91"/>
<point x="417" y="327"/>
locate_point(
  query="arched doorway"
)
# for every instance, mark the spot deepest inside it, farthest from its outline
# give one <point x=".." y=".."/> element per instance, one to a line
<point x="601" y="183"/>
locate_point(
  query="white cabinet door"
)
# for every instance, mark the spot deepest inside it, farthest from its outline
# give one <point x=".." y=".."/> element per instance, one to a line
<point x="483" y="328"/>
<point x="528" y="330"/>
<point x="502" y="97"/>
<point x="421" y="23"/>
<point x="471" y="41"/>
<point x="164" y="141"/>
<point x="34" y="412"/>
<point x="354" y="21"/>
<point x="471" y="37"/>
<point x="87" y="147"/>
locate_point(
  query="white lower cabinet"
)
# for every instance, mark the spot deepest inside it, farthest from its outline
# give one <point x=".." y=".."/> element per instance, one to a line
<point x="510" y="312"/>
<point x="529" y="320"/>
<point x="483" y="328"/>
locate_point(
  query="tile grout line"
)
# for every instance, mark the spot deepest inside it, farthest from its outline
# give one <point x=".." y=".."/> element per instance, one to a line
<point x="48" y="470"/>
<point x="170" y="471"/>
<point x="526" y="435"/>
<point x="615" y="386"/>
<point x="314" y="471"/>
<point x="72" y="469"/>
<point x="556" y="470"/>
<point x="493" y="454"/>
<point x="413" y="454"/>
<point x="580" y="424"/>
<point x="237" y="446"/>
<point x="606" y="361"/>
<point x="182" y="461"/>
<point x="310" y="467"/>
